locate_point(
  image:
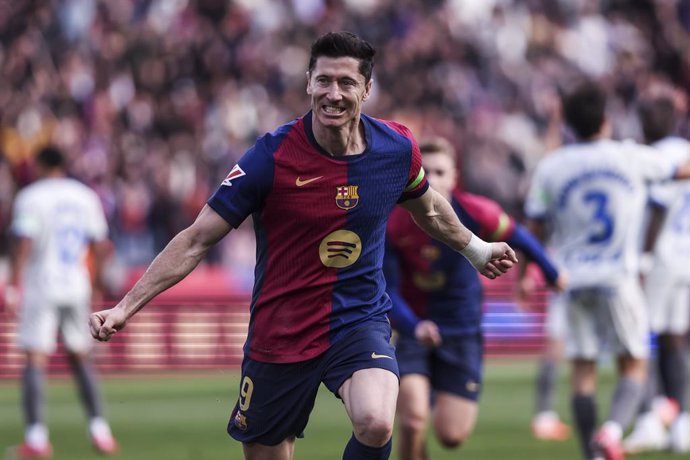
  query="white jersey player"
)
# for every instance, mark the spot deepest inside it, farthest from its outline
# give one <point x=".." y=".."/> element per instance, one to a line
<point x="667" y="288"/>
<point x="594" y="195"/>
<point x="591" y="195"/>
<point x="668" y="283"/>
<point x="56" y="220"/>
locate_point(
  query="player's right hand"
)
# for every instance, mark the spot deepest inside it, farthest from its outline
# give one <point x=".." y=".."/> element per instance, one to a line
<point x="105" y="323"/>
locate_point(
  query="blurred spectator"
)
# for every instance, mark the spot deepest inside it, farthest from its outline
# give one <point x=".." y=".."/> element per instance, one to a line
<point x="153" y="100"/>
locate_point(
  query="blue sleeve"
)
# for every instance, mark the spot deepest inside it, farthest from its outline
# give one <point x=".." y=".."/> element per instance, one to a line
<point x="523" y="240"/>
<point x="401" y="315"/>
<point x="245" y="188"/>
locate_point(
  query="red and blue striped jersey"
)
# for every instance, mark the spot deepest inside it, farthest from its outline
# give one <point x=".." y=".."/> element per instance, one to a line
<point x="428" y="280"/>
<point x="320" y="224"/>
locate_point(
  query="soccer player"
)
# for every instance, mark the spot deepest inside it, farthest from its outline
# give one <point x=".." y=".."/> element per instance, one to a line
<point x="667" y="287"/>
<point x="56" y="222"/>
<point x="437" y="308"/>
<point x="592" y="195"/>
<point x="546" y="424"/>
<point x="320" y="190"/>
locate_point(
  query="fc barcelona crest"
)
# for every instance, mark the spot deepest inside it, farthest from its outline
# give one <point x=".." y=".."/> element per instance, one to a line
<point x="346" y="196"/>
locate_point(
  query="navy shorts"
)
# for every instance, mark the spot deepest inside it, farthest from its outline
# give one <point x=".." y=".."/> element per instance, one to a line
<point x="454" y="367"/>
<point x="276" y="399"/>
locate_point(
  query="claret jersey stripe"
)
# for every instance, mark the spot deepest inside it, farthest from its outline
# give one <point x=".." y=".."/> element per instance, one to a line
<point x="320" y="225"/>
<point x="437" y="282"/>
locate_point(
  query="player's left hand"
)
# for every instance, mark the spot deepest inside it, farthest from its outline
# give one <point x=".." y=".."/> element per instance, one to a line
<point x="502" y="259"/>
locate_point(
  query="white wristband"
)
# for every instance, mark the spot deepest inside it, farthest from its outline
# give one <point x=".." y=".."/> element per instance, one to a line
<point x="477" y="251"/>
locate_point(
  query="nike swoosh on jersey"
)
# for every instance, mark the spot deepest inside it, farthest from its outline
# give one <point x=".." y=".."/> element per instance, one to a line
<point x="299" y="182"/>
<point x="377" y="356"/>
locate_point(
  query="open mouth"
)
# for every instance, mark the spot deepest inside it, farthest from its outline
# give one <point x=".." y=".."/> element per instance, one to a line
<point x="332" y="110"/>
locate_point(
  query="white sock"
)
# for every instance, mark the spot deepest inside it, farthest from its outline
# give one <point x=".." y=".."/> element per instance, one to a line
<point x="36" y="435"/>
<point x="98" y="427"/>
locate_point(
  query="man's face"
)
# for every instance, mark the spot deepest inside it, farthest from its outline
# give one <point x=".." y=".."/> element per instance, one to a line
<point x="440" y="172"/>
<point x="337" y="90"/>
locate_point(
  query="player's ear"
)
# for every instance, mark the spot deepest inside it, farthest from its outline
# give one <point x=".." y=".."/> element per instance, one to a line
<point x="309" y="83"/>
<point x="367" y="89"/>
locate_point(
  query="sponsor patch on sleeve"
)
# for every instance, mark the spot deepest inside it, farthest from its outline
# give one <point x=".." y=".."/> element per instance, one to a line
<point x="234" y="174"/>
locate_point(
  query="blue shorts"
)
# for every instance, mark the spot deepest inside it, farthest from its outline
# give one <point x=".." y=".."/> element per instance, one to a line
<point x="454" y="367"/>
<point x="276" y="399"/>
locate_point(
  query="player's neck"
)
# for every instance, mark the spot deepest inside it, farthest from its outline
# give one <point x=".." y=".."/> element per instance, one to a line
<point x="341" y="141"/>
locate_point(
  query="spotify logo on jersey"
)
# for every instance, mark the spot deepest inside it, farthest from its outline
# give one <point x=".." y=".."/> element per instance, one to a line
<point x="340" y="249"/>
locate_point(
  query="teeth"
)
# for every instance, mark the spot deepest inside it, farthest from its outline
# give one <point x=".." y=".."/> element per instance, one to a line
<point x="332" y="109"/>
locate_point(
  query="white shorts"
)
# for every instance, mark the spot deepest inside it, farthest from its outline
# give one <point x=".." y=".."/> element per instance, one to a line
<point x="556" y="318"/>
<point x="668" y="300"/>
<point x="614" y="318"/>
<point x="39" y="323"/>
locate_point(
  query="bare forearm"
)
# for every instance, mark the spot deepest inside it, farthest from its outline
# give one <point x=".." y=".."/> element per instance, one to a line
<point x="18" y="258"/>
<point x="441" y="223"/>
<point x="176" y="261"/>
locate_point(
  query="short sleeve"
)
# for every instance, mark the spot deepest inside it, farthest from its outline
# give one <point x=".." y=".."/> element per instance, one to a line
<point x="650" y="163"/>
<point x="25" y="220"/>
<point x="662" y="194"/>
<point x="494" y="224"/>
<point x="416" y="183"/>
<point x="244" y="189"/>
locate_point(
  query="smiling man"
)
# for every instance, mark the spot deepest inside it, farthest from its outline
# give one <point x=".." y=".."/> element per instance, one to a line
<point x="320" y="190"/>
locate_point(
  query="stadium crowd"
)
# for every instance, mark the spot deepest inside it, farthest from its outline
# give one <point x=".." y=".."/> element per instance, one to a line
<point x="155" y="100"/>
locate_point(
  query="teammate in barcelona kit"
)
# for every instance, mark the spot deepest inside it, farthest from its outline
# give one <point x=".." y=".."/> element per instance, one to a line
<point x="56" y="222"/>
<point x="437" y="308"/>
<point x="320" y="190"/>
<point x="667" y="287"/>
<point x="592" y="195"/>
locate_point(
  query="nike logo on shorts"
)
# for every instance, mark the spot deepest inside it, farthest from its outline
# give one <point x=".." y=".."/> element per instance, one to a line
<point x="377" y="356"/>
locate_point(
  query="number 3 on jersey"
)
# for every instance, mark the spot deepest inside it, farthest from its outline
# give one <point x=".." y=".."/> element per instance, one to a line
<point x="246" y="390"/>
<point x="601" y="217"/>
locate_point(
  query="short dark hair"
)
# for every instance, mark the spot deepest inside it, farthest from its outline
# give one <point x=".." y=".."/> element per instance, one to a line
<point x="585" y="109"/>
<point x="50" y="157"/>
<point x="344" y="44"/>
<point x="658" y="118"/>
<point x="437" y="144"/>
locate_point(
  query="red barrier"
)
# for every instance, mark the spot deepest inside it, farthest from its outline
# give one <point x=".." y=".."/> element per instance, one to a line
<point x="201" y="325"/>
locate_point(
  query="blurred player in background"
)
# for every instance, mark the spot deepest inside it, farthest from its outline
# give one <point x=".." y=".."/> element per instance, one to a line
<point x="546" y="424"/>
<point x="591" y="195"/>
<point x="56" y="221"/>
<point x="320" y="189"/>
<point x="667" y="287"/>
<point x="437" y="308"/>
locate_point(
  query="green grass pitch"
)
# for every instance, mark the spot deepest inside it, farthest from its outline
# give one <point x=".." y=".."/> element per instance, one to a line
<point x="183" y="417"/>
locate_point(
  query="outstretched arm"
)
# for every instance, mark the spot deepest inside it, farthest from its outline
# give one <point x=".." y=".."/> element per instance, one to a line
<point x="175" y="261"/>
<point x="524" y="241"/>
<point x="434" y="214"/>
